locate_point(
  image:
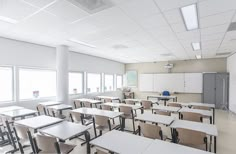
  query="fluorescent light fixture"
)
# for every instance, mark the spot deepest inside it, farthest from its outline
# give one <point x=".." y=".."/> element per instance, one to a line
<point x="9" y="20"/>
<point x="199" y="56"/>
<point x="190" y="17"/>
<point x="196" y="46"/>
<point x="81" y="43"/>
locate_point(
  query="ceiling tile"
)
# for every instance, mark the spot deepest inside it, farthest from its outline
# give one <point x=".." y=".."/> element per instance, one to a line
<point x="172" y="4"/>
<point x="173" y="16"/>
<point x="214" y="29"/>
<point x="40" y="3"/>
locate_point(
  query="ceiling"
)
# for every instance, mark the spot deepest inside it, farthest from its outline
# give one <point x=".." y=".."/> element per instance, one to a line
<point x="130" y="31"/>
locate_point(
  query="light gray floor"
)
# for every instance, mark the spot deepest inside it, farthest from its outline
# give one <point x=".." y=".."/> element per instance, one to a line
<point x="225" y="121"/>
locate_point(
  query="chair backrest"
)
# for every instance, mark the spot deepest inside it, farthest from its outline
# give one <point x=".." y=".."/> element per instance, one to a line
<point x="21" y="132"/>
<point x="174" y="104"/>
<point x="146" y="104"/>
<point x="166" y="93"/>
<point x="75" y="116"/>
<point x="190" y="137"/>
<point x="150" y="130"/>
<point x="40" y="109"/>
<point x="77" y="104"/>
<point x="160" y="112"/>
<point x="191" y="116"/>
<point x="107" y="100"/>
<point x="130" y="102"/>
<point x="98" y="151"/>
<point x="106" y="107"/>
<point x="101" y="120"/>
<point x="87" y="104"/>
<point x="51" y="112"/>
<point x="201" y="108"/>
<point x="46" y="143"/>
<point x="127" y="110"/>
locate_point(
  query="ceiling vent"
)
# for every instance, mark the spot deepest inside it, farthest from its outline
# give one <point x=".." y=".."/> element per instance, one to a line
<point x="166" y="54"/>
<point x="119" y="46"/>
<point x="92" y="6"/>
<point x="223" y="53"/>
<point x="232" y="27"/>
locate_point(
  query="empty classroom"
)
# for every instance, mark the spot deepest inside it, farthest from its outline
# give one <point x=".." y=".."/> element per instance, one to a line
<point x="117" y="76"/>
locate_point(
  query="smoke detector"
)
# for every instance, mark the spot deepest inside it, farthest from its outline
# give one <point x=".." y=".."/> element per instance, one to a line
<point x="169" y="66"/>
<point x="92" y="6"/>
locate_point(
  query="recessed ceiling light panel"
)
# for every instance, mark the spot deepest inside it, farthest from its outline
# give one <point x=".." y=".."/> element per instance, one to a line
<point x="196" y="46"/>
<point x="8" y="20"/>
<point x="81" y="43"/>
<point x="199" y="56"/>
<point x="190" y="16"/>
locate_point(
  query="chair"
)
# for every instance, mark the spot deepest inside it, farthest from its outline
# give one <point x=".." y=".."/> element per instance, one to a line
<point x="191" y="116"/>
<point x="192" y="138"/>
<point x="174" y="104"/>
<point x="202" y="108"/>
<point x="77" y="104"/>
<point x="77" y="118"/>
<point x="98" y="151"/>
<point x="160" y="112"/>
<point x="87" y="104"/>
<point x="41" y="110"/>
<point x="146" y="104"/>
<point x="52" y="113"/>
<point x="47" y="144"/>
<point x="166" y="93"/>
<point x="151" y="131"/>
<point x="22" y="138"/>
<point x="107" y="100"/>
<point x="101" y="123"/>
<point x="130" y="102"/>
<point x="106" y="107"/>
<point x="128" y="114"/>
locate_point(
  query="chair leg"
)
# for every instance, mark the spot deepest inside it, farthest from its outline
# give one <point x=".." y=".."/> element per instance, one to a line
<point x="94" y="127"/>
<point x="133" y="125"/>
<point x="57" y="147"/>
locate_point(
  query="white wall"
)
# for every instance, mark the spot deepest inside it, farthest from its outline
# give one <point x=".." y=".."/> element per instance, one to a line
<point x="231" y="67"/>
<point x="17" y="53"/>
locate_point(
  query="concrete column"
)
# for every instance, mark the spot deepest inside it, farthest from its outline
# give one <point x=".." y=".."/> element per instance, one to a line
<point x="62" y="74"/>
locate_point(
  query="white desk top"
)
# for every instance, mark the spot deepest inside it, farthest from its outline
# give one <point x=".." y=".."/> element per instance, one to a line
<point x="38" y="122"/>
<point x="202" y="104"/>
<point x="161" y="119"/>
<point x="92" y="101"/>
<point x="10" y="108"/>
<point x="160" y="96"/>
<point x="108" y="97"/>
<point x="65" y="130"/>
<point x="95" y="111"/>
<point x="166" y="108"/>
<point x="197" y="126"/>
<point x="50" y="103"/>
<point x="134" y="107"/>
<point x="171" y="148"/>
<point x="19" y="113"/>
<point x="60" y="107"/>
<point x="202" y="112"/>
<point x="139" y="100"/>
<point x="122" y="142"/>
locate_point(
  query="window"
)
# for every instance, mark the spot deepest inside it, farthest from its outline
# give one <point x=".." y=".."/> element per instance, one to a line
<point x="119" y="81"/>
<point x="6" y="84"/>
<point x="75" y="83"/>
<point x="109" y="83"/>
<point x="93" y="82"/>
<point x="35" y="83"/>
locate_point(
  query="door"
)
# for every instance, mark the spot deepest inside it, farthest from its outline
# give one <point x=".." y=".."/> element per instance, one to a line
<point x="209" y="88"/>
<point x="222" y="81"/>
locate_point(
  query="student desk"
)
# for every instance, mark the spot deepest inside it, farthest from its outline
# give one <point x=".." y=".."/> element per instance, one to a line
<point x="92" y="101"/>
<point x="60" y="107"/>
<point x="209" y="129"/>
<point x="158" y="119"/>
<point x="19" y="113"/>
<point x="122" y="142"/>
<point x="164" y="98"/>
<point x="171" y="148"/>
<point x="139" y="100"/>
<point x="166" y="108"/>
<point x="10" y="108"/>
<point x="212" y="106"/>
<point x="50" y="103"/>
<point x="38" y="122"/>
<point x="202" y="112"/>
<point x="116" y="105"/>
<point x="67" y="130"/>
<point x="108" y="97"/>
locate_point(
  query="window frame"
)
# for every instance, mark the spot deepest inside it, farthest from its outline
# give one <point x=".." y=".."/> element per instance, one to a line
<point x="12" y="86"/>
<point x="122" y="80"/>
<point x="87" y="83"/>
<point x="82" y="83"/>
<point x="105" y="83"/>
<point x="33" y="68"/>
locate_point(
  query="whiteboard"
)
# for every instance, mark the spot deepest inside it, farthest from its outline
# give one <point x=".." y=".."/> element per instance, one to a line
<point x="171" y="82"/>
<point x="193" y="82"/>
<point x="146" y="82"/>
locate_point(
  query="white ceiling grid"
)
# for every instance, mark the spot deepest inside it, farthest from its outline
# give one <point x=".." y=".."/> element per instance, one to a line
<point x="130" y="31"/>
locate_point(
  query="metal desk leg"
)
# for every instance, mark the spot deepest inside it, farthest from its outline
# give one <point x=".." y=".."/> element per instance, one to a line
<point x="215" y="144"/>
<point x="87" y="137"/>
<point x="214" y="116"/>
